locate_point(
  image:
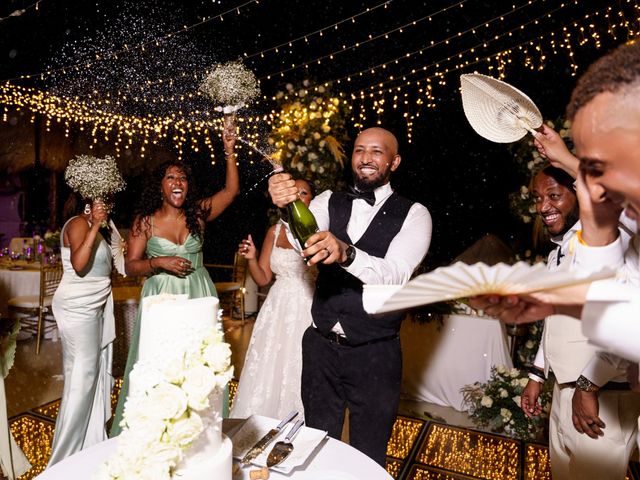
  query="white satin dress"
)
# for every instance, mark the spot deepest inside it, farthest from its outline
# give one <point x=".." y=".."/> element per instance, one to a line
<point x="83" y="309"/>
<point x="271" y="376"/>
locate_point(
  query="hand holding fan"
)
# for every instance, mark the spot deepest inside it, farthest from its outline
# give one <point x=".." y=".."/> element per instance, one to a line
<point x="118" y="247"/>
<point x="496" y="110"/>
<point x="461" y="280"/>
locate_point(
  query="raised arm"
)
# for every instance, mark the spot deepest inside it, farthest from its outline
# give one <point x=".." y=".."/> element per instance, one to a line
<point x="80" y="237"/>
<point x="551" y="146"/>
<point x="219" y="201"/>
<point x="260" y="269"/>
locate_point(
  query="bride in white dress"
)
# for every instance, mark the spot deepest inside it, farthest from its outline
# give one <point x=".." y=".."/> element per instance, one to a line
<point x="270" y="380"/>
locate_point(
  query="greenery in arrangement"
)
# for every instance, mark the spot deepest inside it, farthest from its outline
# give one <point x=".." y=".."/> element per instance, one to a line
<point x="496" y="404"/>
<point x="527" y="350"/>
<point x="309" y="134"/>
<point x="51" y="240"/>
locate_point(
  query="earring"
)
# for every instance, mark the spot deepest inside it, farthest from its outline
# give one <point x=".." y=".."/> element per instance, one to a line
<point x="87" y="209"/>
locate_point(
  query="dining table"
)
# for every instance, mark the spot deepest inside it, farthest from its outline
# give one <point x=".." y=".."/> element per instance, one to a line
<point x="331" y="460"/>
<point x="17" y="278"/>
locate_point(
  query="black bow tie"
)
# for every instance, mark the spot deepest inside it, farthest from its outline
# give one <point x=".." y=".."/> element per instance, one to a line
<point x="368" y="197"/>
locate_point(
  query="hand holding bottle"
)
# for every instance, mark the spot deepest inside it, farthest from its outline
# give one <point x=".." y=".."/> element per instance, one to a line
<point x="282" y="189"/>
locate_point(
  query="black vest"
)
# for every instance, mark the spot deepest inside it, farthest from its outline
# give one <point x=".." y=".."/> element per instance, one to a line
<point x="338" y="294"/>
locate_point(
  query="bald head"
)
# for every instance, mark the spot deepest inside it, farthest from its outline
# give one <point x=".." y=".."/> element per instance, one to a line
<point x="375" y="156"/>
<point x="382" y="135"/>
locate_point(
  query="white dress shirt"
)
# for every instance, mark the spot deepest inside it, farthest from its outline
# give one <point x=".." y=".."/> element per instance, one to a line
<point x="405" y="252"/>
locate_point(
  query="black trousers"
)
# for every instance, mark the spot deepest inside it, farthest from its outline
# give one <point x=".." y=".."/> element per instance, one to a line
<point x="365" y="379"/>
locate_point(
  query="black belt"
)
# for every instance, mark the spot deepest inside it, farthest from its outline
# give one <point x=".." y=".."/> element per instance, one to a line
<point x="610" y="386"/>
<point x="334" y="337"/>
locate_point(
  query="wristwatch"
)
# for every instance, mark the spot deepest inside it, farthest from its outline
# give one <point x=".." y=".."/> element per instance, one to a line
<point x="351" y="256"/>
<point x="586" y="385"/>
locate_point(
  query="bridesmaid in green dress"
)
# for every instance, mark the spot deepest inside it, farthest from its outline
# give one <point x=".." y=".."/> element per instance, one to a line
<point x="165" y="243"/>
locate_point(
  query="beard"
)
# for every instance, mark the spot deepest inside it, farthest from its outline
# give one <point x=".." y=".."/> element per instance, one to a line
<point x="370" y="184"/>
<point x="570" y="220"/>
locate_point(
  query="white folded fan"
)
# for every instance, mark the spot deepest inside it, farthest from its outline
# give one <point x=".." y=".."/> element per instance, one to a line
<point x="461" y="280"/>
<point x="496" y="110"/>
<point x="118" y="246"/>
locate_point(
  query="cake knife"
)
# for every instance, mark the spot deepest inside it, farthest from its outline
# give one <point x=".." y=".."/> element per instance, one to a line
<point x="259" y="447"/>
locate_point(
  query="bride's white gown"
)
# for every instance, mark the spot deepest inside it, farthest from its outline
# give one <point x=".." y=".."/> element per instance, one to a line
<point x="270" y="380"/>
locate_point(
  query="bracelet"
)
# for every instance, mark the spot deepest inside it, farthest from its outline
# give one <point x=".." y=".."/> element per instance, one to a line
<point x="232" y="154"/>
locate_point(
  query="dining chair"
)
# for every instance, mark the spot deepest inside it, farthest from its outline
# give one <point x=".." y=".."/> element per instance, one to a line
<point x="231" y="293"/>
<point x="35" y="310"/>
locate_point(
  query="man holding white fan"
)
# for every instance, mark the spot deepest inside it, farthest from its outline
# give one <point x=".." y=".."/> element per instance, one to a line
<point x="369" y="235"/>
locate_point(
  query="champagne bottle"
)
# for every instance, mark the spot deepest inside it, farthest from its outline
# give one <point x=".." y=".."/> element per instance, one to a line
<point x="302" y="223"/>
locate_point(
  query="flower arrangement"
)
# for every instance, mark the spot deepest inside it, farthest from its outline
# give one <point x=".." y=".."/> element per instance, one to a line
<point x="309" y="133"/>
<point x="164" y="418"/>
<point x="52" y="240"/>
<point x="231" y="86"/>
<point x="94" y="177"/>
<point x="527" y="350"/>
<point x="496" y="404"/>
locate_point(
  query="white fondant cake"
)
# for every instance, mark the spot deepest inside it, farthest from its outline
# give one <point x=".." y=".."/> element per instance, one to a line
<point x="176" y="390"/>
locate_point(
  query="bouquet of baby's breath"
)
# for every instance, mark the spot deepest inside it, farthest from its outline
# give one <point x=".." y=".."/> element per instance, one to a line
<point x="496" y="404"/>
<point x="231" y="86"/>
<point x="94" y="177"/>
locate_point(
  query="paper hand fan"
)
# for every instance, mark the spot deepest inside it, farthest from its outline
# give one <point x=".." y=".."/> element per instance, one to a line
<point x="496" y="110"/>
<point x="461" y="280"/>
<point x="118" y="247"/>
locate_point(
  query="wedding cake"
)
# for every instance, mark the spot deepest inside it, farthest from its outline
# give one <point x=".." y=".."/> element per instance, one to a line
<point x="172" y="421"/>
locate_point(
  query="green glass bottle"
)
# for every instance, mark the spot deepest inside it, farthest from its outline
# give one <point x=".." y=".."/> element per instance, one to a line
<point x="302" y="223"/>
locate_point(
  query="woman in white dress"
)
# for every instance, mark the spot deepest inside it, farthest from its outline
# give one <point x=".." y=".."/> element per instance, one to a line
<point x="83" y="309"/>
<point x="270" y="380"/>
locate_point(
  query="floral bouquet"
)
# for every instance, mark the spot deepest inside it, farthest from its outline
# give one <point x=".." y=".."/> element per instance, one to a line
<point x="231" y="86"/>
<point x="164" y="418"/>
<point x="309" y="133"/>
<point x="93" y="177"/>
<point x="496" y="404"/>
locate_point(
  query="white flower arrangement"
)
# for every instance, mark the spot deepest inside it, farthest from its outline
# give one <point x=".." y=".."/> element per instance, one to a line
<point x="496" y="404"/>
<point x="163" y="417"/>
<point x="94" y="177"/>
<point x="231" y="86"/>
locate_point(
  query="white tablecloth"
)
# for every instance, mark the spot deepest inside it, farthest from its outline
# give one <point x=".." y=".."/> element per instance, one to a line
<point x="437" y="363"/>
<point x="332" y="460"/>
<point x="15" y="283"/>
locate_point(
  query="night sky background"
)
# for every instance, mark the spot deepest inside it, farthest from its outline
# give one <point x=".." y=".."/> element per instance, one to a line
<point x="463" y="179"/>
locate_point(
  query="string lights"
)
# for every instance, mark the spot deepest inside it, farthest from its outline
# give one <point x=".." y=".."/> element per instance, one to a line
<point x="408" y="92"/>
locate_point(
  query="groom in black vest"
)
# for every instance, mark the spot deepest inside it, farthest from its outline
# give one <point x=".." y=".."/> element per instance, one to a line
<point x="369" y="235"/>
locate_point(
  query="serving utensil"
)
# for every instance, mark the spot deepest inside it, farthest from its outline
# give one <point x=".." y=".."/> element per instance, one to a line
<point x="281" y="450"/>
<point x="261" y="444"/>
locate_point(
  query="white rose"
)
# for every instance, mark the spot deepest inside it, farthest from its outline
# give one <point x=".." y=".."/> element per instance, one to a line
<point x="313" y="166"/>
<point x="145" y="376"/>
<point x="166" y="401"/>
<point x="313" y="156"/>
<point x="321" y="169"/>
<point x="524" y="381"/>
<point x="517" y="400"/>
<point x="199" y="381"/>
<point x="141" y="430"/>
<point x="163" y="452"/>
<point x="503" y="393"/>
<point x="514" y="372"/>
<point x="486" y="401"/>
<point x="515" y="382"/>
<point x="506" y="414"/>
<point x="529" y="344"/>
<point x="174" y="371"/>
<point x="218" y="356"/>
<point x="501" y="369"/>
<point x="186" y="429"/>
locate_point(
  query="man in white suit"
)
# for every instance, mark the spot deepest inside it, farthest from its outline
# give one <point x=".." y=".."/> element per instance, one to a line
<point x="566" y="351"/>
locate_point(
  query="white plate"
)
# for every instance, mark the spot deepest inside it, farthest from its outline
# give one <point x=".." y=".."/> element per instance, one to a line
<point x="256" y="426"/>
